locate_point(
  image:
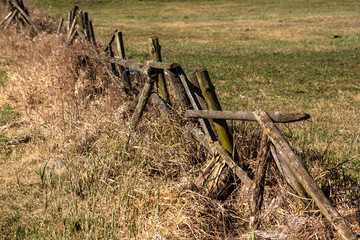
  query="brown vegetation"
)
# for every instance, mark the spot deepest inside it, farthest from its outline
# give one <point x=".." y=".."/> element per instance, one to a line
<point x="82" y="173"/>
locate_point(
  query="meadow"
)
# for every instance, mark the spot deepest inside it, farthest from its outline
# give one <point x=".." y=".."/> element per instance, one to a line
<point x="77" y="178"/>
<point x="269" y="55"/>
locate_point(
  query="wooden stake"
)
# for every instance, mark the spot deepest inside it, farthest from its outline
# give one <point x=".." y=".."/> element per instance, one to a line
<point x="121" y="53"/>
<point x="111" y="54"/>
<point x="110" y="42"/>
<point x="143" y="99"/>
<point x="86" y="26"/>
<point x="11" y="18"/>
<point x="60" y="25"/>
<point x="6" y="18"/>
<point x="208" y="91"/>
<point x="303" y="176"/>
<point x="155" y="51"/>
<point x="259" y="179"/>
<point x="92" y="35"/>
<point x="69" y="21"/>
<point x="120" y="44"/>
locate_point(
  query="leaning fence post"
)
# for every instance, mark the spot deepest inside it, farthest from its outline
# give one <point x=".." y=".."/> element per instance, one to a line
<point x="208" y="91"/>
<point x="60" y="25"/>
<point x="155" y="51"/>
<point x="143" y="99"/>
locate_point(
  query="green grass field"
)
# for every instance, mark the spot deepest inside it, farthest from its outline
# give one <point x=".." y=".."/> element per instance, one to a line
<point x="77" y="178"/>
<point x="269" y="55"/>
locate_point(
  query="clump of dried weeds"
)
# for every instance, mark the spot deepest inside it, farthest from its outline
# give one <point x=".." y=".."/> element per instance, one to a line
<point x="82" y="173"/>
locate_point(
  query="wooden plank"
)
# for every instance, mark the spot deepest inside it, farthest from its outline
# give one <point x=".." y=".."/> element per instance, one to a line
<point x="278" y="117"/>
<point x="303" y="176"/>
<point x="295" y="186"/>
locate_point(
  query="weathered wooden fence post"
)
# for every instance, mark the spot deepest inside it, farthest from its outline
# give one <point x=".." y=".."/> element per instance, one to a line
<point x="155" y="51"/>
<point x="143" y="99"/>
<point x="178" y="88"/>
<point x="208" y="91"/>
<point x="259" y="178"/>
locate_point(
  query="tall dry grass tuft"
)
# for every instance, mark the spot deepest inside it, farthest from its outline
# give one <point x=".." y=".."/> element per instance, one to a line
<point x="84" y="174"/>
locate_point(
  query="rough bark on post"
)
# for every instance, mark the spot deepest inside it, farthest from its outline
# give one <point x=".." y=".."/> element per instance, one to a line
<point x="304" y="177"/>
<point x="259" y="179"/>
<point x="160" y="104"/>
<point x="155" y="51"/>
<point x="143" y="99"/>
<point x="179" y="88"/>
<point x="208" y="91"/>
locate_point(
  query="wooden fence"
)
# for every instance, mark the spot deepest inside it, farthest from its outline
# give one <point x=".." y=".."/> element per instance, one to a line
<point x="196" y="96"/>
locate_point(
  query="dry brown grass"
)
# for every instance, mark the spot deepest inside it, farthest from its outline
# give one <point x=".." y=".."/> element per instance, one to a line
<point x="84" y="174"/>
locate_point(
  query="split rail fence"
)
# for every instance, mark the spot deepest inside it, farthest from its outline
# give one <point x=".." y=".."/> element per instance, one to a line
<point x="196" y="96"/>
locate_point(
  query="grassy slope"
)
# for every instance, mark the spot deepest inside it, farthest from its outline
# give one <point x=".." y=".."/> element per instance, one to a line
<point x="271" y="55"/>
